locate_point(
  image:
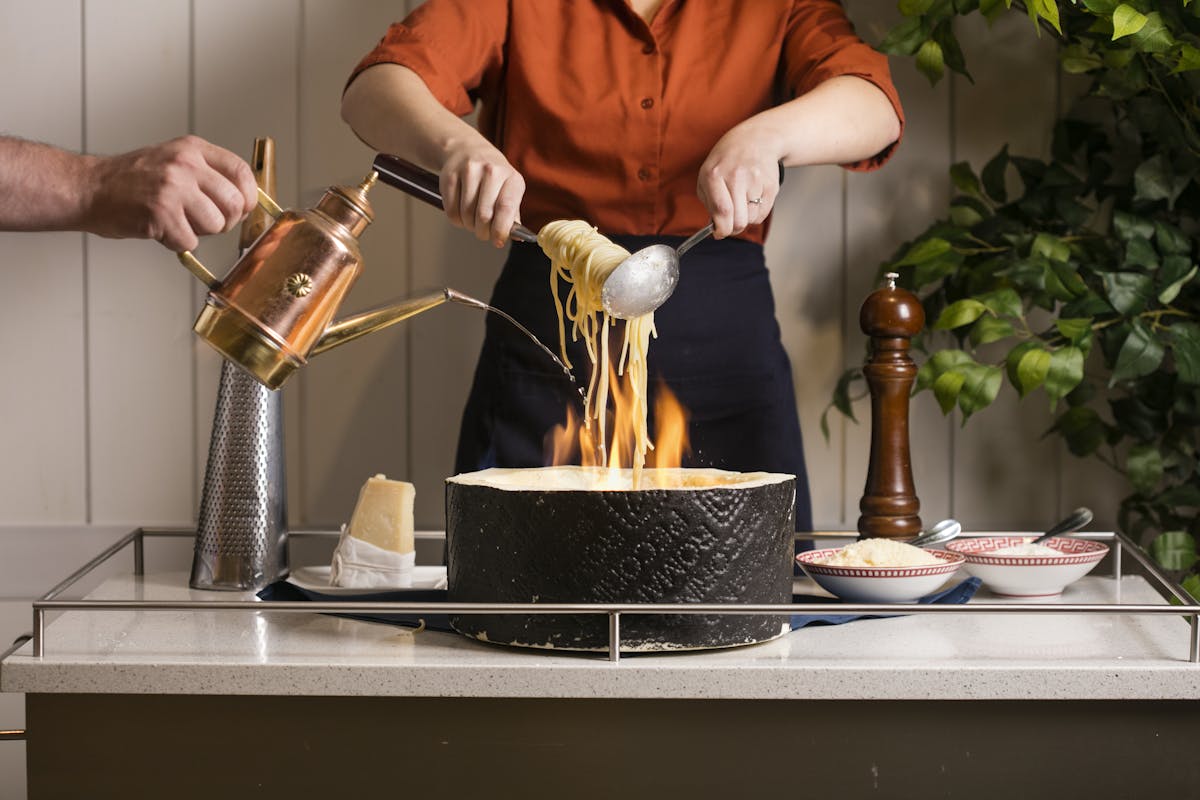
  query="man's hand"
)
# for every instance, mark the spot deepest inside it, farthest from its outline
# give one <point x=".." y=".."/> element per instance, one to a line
<point x="172" y="192"/>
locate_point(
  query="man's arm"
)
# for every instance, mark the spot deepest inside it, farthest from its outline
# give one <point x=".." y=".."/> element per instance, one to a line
<point x="172" y="192"/>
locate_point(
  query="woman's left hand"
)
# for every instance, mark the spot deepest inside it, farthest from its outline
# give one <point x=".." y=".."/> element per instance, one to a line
<point x="739" y="181"/>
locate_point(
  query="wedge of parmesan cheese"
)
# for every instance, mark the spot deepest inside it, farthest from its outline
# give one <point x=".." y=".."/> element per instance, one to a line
<point x="383" y="515"/>
<point x="375" y="551"/>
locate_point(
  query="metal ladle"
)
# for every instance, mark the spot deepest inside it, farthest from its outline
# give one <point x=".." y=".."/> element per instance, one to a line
<point x="644" y="281"/>
<point x="1073" y="522"/>
<point x="940" y="533"/>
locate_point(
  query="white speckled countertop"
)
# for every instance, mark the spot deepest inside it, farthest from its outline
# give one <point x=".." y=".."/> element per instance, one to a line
<point x="933" y="656"/>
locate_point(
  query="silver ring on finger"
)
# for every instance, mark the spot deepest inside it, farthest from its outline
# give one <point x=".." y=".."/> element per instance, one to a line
<point x="755" y="201"/>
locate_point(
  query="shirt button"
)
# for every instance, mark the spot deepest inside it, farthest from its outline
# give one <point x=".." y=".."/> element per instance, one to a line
<point x="644" y="174"/>
<point x="648" y="49"/>
<point x="647" y="102"/>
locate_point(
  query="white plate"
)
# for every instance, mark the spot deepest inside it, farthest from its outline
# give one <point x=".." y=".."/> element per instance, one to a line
<point x="316" y="579"/>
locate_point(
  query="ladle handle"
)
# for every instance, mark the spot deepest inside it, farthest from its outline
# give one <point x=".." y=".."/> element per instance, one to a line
<point x="425" y="186"/>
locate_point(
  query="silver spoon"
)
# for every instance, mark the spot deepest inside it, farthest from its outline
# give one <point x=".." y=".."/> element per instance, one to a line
<point x="644" y="281"/>
<point x="1076" y="520"/>
<point x="940" y="533"/>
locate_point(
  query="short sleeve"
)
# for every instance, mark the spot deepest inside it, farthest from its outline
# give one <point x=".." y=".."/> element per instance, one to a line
<point x="451" y="44"/>
<point x="820" y="43"/>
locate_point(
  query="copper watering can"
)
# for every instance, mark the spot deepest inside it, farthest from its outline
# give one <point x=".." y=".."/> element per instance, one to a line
<point x="275" y="309"/>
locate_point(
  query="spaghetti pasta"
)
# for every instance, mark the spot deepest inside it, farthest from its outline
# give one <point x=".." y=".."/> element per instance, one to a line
<point x="583" y="257"/>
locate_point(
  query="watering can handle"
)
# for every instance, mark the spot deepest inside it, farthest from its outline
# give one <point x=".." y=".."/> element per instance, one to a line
<point x="193" y="265"/>
<point x="424" y="185"/>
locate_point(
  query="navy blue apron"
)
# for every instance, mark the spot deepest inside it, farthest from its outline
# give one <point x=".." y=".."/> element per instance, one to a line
<point x="718" y="349"/>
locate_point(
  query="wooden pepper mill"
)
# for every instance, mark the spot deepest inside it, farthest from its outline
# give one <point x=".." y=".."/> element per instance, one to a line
<point x="891" y="317"/>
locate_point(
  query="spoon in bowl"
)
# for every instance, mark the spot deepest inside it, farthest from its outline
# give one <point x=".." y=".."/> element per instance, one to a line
<point x="1073" y="522"/>
<point x="940" y="533"/>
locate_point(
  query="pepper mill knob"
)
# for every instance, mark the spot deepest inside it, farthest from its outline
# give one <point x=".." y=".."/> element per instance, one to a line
<point x="891" y="316"/>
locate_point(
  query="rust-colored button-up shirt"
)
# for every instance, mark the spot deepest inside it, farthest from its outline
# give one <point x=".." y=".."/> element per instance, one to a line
<point x="609" y="118"/>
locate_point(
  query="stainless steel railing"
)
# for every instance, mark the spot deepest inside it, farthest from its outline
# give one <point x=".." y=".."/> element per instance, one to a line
<point x="1172" y="592"/>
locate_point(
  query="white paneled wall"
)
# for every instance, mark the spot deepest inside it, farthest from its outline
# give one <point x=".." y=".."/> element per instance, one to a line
<point x="105" y="412"/>
<point x="106" y="398"/>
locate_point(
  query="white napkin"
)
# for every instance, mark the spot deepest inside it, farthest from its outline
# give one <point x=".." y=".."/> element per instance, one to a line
<point x="362" y="565"/>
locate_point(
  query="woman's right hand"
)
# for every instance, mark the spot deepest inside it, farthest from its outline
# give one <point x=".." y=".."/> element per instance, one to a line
<point x="482" y="192"/>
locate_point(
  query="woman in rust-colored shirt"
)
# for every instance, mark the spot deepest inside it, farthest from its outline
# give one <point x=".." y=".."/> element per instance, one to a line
<point x="647" y="118"/>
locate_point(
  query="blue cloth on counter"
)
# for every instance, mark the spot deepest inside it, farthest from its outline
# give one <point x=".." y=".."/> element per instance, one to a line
<point x="282" y="590"/>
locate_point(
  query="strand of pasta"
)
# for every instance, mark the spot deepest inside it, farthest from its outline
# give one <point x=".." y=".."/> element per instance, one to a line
<point x="584" y="258"/>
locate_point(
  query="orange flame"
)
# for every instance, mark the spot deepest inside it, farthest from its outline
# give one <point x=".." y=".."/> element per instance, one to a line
<point x="575" y="442"/>
<point x="671" y="421"/>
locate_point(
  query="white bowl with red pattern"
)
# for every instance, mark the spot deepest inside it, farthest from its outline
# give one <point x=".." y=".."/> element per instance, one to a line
<point x="878" y="584"/>
<point x="1028" y="576"/>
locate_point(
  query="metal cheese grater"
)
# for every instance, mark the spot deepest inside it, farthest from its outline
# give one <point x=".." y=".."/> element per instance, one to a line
<point x="241" y="536"/>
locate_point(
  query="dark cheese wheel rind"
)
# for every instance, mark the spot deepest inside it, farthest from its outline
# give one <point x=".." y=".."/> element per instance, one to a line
<point x="530" y="542"/>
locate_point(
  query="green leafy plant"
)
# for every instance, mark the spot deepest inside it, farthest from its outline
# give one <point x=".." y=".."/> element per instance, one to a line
<point x="1081" y="285"/>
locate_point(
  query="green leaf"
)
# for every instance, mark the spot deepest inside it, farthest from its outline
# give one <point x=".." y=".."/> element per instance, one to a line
<point x="946" y="389"/>
<point x="1174" y="550"/>
<point x="1047" y="10"/>
<point x="959" y="313"/>
<point x="1140" y="354"/>
<point x="1101" y="8"/>
<point x="1185" y="345"/>
<point x="1051" y="247"/>
<point x="945" y="360"/>
<point x="1153" y="36"/>
<point x="914" y="8"/>
<point x="926" y="375"/>
<point x="980" y="388"/>
<point x="935" y="269"/>
<point x="1056" y="287"/>
<point x="1171" y="239"/>
<point x="952" y="54"/>
<point x="964" y="179"/>
<point x="1031" y="370"/>
<point x="1079" y="58"/>
<point x="1128" y="291"/>
<point x="1144" y="467"/>
<point x="1140" y="253"/>
<point x="1128" y="226"/>
<point x="1064" y="374"/>
<point x="993" y="176"/>
<point x="924" y="251"/>
<point x="1082" y="428"/>
<point x="1189" y="58"/>
<point x="1191" y="584"/>
<point x="930" y="61"/>
<point x="992" y="9"/>
<point x="965" y="216"/>
<point x="1013" y="360"/>
<point x="906" y="38"/>
<point x="1172" y="291"/>
<point x="841" y="393"/>
<point x="1074" y="329"/>
<point x="990" y="329"/>
<point x="1003" y="302"/>
<point x="1126" y="21"/>
<point x="1156" y="179"/>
